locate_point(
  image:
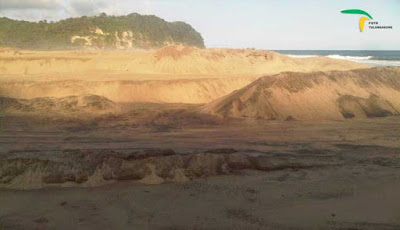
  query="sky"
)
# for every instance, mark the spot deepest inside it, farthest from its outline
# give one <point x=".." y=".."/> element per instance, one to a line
<point x="261" y="24"/>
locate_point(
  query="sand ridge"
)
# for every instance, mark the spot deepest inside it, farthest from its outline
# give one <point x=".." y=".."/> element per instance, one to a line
<point x="156" y="91"/>
<point x="170" y="60"/>
<point x="334" y="95"/>
<point x="173" y="74"/>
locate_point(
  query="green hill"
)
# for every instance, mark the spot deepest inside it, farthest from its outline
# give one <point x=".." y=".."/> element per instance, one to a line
<point x="121" y="32"/>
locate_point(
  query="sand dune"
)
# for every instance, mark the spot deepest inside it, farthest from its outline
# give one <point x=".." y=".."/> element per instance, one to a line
<point x="173" y="74"/>
<point x="161" y="91"/>
<point x="69" y="124"/>
<point x="332" y="95"/>
<point x="172" y="60"/>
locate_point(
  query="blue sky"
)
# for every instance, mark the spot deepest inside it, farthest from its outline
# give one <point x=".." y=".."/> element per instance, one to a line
<point x="262" y="24"/>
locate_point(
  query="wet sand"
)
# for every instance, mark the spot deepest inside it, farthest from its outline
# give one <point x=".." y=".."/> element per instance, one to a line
<point x="359" y="191"/>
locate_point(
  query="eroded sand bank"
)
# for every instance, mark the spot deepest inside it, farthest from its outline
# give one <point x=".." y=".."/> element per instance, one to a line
<point x="252" y="175"/>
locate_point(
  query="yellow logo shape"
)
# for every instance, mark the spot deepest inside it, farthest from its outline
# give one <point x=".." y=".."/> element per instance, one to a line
<point x="362" y="23"/>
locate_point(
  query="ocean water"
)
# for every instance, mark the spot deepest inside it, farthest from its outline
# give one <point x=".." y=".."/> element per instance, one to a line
<point x="369" y="57"/>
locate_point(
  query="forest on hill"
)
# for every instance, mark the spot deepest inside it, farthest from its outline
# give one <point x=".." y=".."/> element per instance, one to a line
<point x="102" y="31"/>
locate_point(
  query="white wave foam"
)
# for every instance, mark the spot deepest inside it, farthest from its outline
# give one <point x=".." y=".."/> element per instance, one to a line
<point x="351" y="58"/>
<point x="380" y="62"/>
<point x="366" y="60"/>
<point x="301" y="56"/>
<point x="361" y="59"/>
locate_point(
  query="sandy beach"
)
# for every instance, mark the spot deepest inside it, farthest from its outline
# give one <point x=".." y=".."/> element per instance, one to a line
<point x="188" y="138"/>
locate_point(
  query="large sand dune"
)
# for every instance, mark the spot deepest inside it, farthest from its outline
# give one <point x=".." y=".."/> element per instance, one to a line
<point x="174" y="74"/>
<point x="332" y="95"/>
<point x="159" y="91"/>
<point x="172" y="60"/>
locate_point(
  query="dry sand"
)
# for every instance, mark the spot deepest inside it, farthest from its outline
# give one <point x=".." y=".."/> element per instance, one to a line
<point x="158" y="64"/>
<point x="305" y="199"/>
<point x="102" y="140"/>
<point x="331" y="95"/>
<point x="173" y="74"/>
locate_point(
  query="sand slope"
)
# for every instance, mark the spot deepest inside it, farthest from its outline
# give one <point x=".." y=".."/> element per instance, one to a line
<point x="171" y="60"/>
<point x="173" y="74"/>
<point x="161" y="91"/>
<point x="319" y="95"/>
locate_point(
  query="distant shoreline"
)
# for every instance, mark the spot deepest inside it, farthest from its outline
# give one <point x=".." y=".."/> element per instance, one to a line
<point x="368" y="57"/>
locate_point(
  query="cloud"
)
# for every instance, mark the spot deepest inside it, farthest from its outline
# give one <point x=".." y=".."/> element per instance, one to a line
<point x="35" y="10"/>
<point x="73" y="7"/>
<point x="29" y="4"/>
<point x="54" y="10"/>
<point x="87" y="7"/>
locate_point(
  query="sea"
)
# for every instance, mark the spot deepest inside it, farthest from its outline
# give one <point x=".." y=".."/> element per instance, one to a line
<point x="369" y="57"/>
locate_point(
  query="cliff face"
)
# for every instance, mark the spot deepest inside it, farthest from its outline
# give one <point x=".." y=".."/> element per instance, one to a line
<point x="332" y="95"/>
<point x="100" y="32"/>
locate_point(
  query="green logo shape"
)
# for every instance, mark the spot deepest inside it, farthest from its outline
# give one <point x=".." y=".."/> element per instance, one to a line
<point x="357" y="11"/>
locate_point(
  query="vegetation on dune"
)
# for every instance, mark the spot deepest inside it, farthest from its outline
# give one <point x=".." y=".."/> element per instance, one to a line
<point x="141" y="31"/>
